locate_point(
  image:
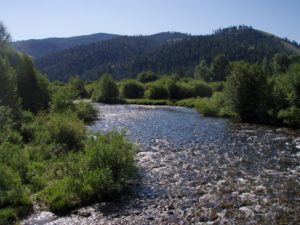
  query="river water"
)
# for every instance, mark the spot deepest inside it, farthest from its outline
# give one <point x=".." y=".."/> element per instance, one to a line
<point x="197" y="170"/>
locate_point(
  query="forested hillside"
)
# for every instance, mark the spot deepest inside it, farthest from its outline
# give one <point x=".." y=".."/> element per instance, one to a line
<point x="164" y="53"/>
<point x="38" y="48"/>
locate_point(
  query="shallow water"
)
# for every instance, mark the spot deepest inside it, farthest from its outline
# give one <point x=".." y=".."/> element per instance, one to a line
<point x="198" y="170"/>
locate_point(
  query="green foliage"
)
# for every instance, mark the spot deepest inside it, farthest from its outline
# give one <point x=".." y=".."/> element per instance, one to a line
<point x="107" y="90"/>
<point x="62" y="99"/>
<point x="290" y="116"/>
<point x="156" y="91"/>
<point x="245" y="92"/>
<point x="217" y="86"/>
<point x="220" y="68"/>
<point x="77" y="86"/>
<point x="146" y="101"/>
<point x="8" y="85"/>
<point x="7" y="119"/>
<point x="60" y="196"/>
<point x="189" y="102"/>
<point x="281" y="63"/>
<point x="14" y="200"/>
<point x="200" y="89"/>
<point x="112" y="152"/>
<point x="64" y="130"/>
<point x="86" y="111"/>
<point x="147" y="76"/>
<point x="132" y="89"/>
<point x="123" y="57"/>
<point x="5" y="36"/>
<point x="213" y="106"/>
<point x="102" y="170"/>
<point x="32" y="87"/>
<point x="202" y="71"/>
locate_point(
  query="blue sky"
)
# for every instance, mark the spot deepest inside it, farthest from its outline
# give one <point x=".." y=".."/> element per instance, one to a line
<point x="27" y="19"/>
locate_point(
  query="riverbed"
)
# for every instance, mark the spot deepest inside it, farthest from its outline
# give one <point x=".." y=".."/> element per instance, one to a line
<point x="197" y="170"/>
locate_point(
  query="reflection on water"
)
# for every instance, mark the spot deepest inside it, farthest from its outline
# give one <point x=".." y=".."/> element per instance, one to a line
<point x="196" y="170"/>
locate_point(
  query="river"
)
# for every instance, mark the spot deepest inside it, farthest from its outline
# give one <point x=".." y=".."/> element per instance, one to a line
<point x="197" y="170"/>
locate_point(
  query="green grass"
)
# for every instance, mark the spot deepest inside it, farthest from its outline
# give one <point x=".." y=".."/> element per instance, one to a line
<point x="145" y="101"/>
<point x="189" y="102"/>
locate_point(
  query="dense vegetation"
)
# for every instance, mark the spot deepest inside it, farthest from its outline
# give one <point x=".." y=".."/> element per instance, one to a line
<point x="265" y="92"/>
<point x="42" y="47"/>
<point x="45" y="148"/>
<point x="165" y="53"/>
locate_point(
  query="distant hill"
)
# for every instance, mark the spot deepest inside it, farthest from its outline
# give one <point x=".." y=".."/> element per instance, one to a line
<point x="164" y="53"/>
<point x="41" y="47"/>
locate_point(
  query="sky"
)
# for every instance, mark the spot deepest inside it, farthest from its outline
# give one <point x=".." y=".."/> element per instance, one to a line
<point x="36" y="19"/>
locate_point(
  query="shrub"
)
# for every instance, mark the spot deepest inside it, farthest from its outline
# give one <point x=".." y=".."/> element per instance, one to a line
<point x="200" y="89"/>
<point x="15" y="157"/>
<point x="85" y="111"/>
<point x="112" y="151"/>
<point x="290" y="116"/>
<point x="107" y="90"/>
<point x="65" y="130"/>
<point x="217" y="86"/>
<point x="156" y="91"/>
<point x="132" y="89"/>
<point x="77" y="85"/>
<point x="99" y="172"/>
<point x="173" y="89"/>
<point x="60" y="196"/>
<point x="246" y="91"/>
<point x="146" y="76"/>
<point x="213" y="106"/>
<point x="62" y="100"/>
<point x="14" y="201"/>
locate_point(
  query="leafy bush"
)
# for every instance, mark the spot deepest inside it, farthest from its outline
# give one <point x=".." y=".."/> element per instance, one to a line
<point x="290" y="116"/>
<point x="14" y="200"/>
<point x="217" y="86"/>
<point x="132" y="89"/>
<point x="246" y="90"/>
<point x="60" y="196"/>
<point x="99" y="172"/>
<point x="189" y="102"/>
<point x="200" y="89"/>
<point x="213" y="106"/>
<point x="65" y="130"/>
<point x="15" y="157"/>
<point x="107" y="90"/>
<point x="77" y="85"/>
<point x="62" y="99"/>
<point x="156" y="91"/>
<point x="147" y="76"/>
<point x="85" y="111"/>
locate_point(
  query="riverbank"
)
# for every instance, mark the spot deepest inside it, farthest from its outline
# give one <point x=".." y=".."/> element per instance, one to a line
<point x="195" y="169"/>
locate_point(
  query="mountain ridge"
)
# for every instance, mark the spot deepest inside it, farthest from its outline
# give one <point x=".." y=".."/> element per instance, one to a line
<point x="165" y="52"/>
<point x="40" y="47"/>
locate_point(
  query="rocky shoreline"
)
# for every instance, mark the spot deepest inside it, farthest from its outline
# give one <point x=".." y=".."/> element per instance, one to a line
<point x="243" y="174"/>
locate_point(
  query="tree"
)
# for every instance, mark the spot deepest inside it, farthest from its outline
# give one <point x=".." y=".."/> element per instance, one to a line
<point x="78" y="86"/>
<point x="220" y="68"/>
<point x="147" y="76"/>
<point x="32" y="88"/>
<point x="281" y="62"/>
<point x="202" y="71"/>
<point x="107" y="90"/>
<point x="245" y="92"/>
<point x="8" y="84"/>
<point x="156" y="91"/>
<point x="4" y="35"/>
<point x="132" y="89"/>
